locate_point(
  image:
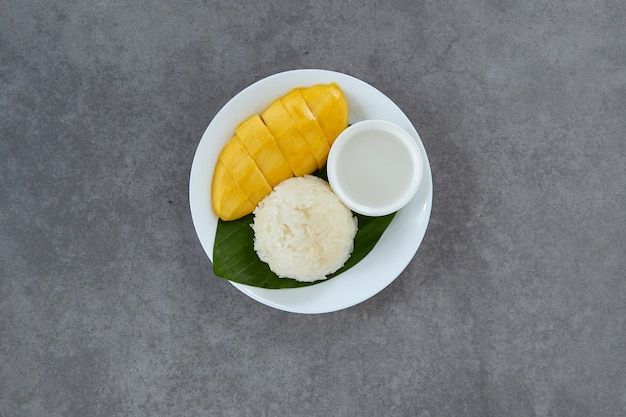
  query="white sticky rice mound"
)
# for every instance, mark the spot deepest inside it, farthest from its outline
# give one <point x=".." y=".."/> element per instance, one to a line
<point x="302" y="230"/>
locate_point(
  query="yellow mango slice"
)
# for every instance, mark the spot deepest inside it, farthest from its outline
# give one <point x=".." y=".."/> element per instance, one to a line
<point x="292" y="136"/>
<point x="263" y="149"/>
<point x="244" y="170"/>
<point x="237" y="204"/>
<point x="289" y="140"/>
<point x="308" y="126"/>
<point x="330" y="108"/>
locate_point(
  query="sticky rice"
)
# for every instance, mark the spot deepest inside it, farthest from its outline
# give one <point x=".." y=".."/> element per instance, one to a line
<point x="302" y="230"/>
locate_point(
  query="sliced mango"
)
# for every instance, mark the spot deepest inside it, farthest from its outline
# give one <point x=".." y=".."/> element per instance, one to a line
<point x="237" y="160"/>
<point x="330" y="108"/>
<point x="237" y="204"/>
<point x="289" y="139"/>
<point x="308" y="126"/>
<point x="263" y="149"/>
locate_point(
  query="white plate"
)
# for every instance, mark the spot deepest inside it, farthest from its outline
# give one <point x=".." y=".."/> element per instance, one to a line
<point x="397" y="245"/>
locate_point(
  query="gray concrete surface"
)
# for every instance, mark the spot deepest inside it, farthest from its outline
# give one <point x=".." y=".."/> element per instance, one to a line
<point x="513" y="305"/>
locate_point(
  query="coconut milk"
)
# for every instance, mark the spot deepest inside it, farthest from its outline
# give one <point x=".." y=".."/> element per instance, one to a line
<point x="376" y="169"/>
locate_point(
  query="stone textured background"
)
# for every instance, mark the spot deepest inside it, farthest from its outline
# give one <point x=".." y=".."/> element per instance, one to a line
<point x="513" y="305"/>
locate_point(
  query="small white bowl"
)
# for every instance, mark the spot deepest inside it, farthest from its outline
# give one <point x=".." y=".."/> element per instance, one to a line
<point x="374" y="167"/>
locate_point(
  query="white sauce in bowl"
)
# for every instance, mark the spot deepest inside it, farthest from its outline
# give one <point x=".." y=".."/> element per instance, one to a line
<point x="374" y="167"/>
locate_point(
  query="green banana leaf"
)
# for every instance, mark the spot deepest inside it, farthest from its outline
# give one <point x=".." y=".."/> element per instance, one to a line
<point x="234" y="257"/>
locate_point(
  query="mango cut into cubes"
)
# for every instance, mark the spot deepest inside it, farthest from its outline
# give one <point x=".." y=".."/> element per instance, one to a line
<point x="237" y="204"/>
<point x="238" y="161"/>
<point x="291" y="137"/>
<point x="263" y="149"/>
<point x="307" y="125"/>
<point x="330" y="108"/>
